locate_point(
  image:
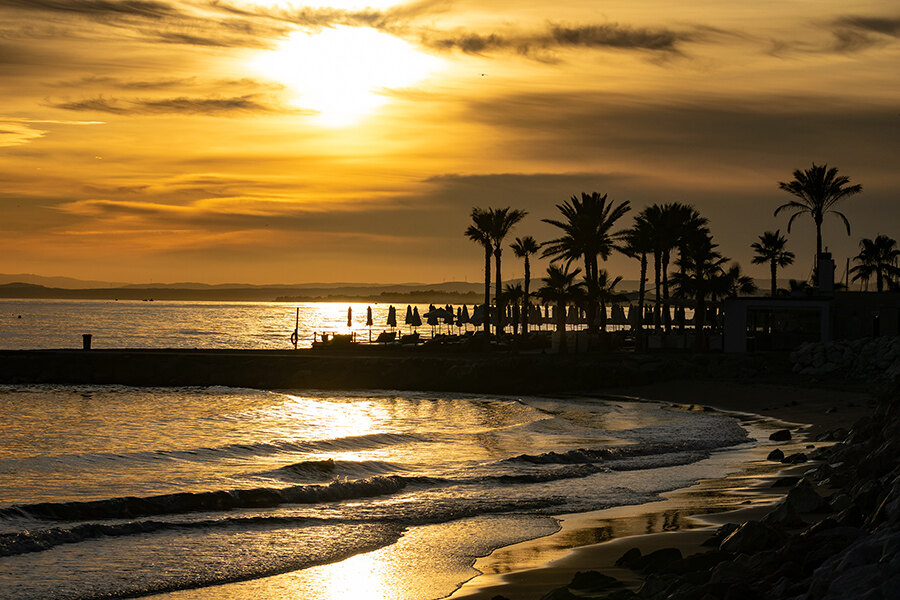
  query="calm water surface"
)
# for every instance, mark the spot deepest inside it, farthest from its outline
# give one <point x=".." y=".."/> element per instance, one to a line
<point x="111" y="491"/>
<point x="43" y="324"/>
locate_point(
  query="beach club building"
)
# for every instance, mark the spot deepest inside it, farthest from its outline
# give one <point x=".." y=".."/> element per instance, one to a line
<point x="823" y="315"/>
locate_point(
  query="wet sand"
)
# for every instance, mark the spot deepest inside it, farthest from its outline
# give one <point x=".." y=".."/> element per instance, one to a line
<point x="685" y="518"/>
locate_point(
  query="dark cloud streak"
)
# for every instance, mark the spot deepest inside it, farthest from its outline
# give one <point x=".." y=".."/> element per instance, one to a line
<point x="177" y="105"/>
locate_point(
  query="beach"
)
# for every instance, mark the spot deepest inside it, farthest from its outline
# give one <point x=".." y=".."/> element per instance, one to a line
<point x="685" y="518"/>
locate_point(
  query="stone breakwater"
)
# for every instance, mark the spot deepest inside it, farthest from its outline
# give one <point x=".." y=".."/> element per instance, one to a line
<point x="866" y="359"/>
<point x="496" y="372"/>
<point x="834" y="536"/>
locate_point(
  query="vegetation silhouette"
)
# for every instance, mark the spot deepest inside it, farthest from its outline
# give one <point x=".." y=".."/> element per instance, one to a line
<point x="525" y="247"/>
<point x="479" y="232"/>
<point x="878" y="257"/>
<point x="560" y="288"/>
<point x="587" y="234"/>
<point x="501" y="222"/>
<point x="819" y="189"/>
<point x="772" y="248"/>
<point x="700" y="277"/>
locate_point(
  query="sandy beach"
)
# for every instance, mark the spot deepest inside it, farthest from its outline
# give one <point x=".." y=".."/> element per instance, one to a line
<point x="685" y="518"/>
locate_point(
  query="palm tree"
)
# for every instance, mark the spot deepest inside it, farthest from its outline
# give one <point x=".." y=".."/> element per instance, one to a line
<point x="736" y="283"/>
<point x="701" y="276"/>
<point x="514" y="296"/>
<point x="587" y="234"/>
<point x="819" y="190"/>
<point x="637" y="243"/>
<point x="606" y="293"/>
<point x="524" y="247"/>
<point x="560" y="287"/>
<point x="502" y="220"/>
<point x="772" y="248"/>
<point x="479" y="232"/>
<point x="877" y="257"/>
<point x="670" y="226"/>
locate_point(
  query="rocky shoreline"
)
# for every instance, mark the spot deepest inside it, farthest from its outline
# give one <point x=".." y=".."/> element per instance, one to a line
<point x="835" y="535"/>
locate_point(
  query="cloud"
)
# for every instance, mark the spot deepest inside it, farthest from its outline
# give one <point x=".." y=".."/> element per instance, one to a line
<point x="147" y="9"/>
<point x="535" y="44"/>
<point x="177" y="105"/>
<point x="855" y="33"/>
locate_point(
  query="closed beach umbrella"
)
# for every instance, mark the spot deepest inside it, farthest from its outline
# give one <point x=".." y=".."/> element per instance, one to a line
<point x="465" y="314"/>
<point x="392" y="317"/>
<point x="409" y="315"/>
<point x="369" y="321"/>
<point x="448" y="315"/>
<point x="416" y="319"/>
<point x="349" y="316"/>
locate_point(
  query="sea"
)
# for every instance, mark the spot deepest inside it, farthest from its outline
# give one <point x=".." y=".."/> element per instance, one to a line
<point x="216" y="492"/>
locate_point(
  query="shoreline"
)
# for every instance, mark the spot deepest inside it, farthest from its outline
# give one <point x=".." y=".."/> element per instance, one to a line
<point x="684" y="518"/>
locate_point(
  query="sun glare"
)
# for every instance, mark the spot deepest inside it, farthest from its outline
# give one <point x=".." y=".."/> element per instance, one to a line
<point x="345" y="73"/>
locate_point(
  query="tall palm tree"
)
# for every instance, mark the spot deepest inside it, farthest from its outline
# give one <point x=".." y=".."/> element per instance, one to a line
<point x="877" y="257"/>
<point x="560" y="287"/>
<point x="772" y="248"/>
<point x="671" y="226"/>
<point x="819" y="189"/>
<point x="638" y="243"/>
<point x="502" y="220"/>
<point x="587" y="234"/>
<point x="701" y="276"/>
<point x="479" y="232"/>
<point x="524" y="247"/>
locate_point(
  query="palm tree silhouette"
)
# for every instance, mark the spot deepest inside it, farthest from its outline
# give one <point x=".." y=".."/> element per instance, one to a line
<point x="587" y="234"/>
<point x="819" y="190"/>
<point x="479" y="232"/>
<point x="701" y="276"/>
<point x="606" y="293"/>
<point x="501" y="221"/>
<point x="736" y="283"/>
<point x="560" y="287"/>
<point x="877" y="257"/>
<point x="514" y="295"/>
<point x="671" y="227"/>
<point x="638" y="243"/>
<point x="524" y="247"/>
<point x="772" y="248"/>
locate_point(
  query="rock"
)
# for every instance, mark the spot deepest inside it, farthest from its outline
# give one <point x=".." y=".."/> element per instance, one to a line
<point x="630" y="560"/>
<point x="782" y="435"/>
<point x="593" y="581"/>
<point x="803" y="498"/>
<point x="776" y="455"/>
<point x="840" y="502"/>
<point x="795" y="459"/>
<point x="660" y="559"/>
<point x="784" y="515"/>
<point x="751" y="537"/>
<point x="721" y="533"/>
<point x="786" y="481"/>
<point x="560" y="594"/>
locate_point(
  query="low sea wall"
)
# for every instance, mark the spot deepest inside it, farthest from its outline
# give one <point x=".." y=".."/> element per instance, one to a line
<point x="487" y="372"/>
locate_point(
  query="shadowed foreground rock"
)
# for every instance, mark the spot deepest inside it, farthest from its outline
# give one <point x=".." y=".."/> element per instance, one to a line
<point x="811" y="547"/>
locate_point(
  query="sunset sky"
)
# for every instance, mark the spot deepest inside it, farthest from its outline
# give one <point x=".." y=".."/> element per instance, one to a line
<point x="283" y="142"/>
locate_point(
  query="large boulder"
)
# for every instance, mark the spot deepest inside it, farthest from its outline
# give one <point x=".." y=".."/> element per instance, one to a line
<point x="782" y="435"/>
<point x="752" y="537"/>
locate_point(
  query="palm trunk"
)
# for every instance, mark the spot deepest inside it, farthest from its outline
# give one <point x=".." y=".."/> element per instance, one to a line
<point x="487" y="290"/>
<point x="590" y="309"/>
<point x="498" y="326"/>
<point x="656" y="307"/>
<point x="774" y="271"/>
<point x="667" y="319"/>
<point x="526" y="302"/>
<point x="561" y="325"/>
<point x="818" y="251"/>
<point x="642" y="291"/>
<point x="699" y="319"/>
<point x="879" y="280"/>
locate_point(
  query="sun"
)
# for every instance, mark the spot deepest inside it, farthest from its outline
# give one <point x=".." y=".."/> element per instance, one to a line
<point x="344" y="73"/>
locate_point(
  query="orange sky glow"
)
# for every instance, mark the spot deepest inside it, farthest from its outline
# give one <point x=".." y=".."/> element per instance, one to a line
<point x="290" y="141"/>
